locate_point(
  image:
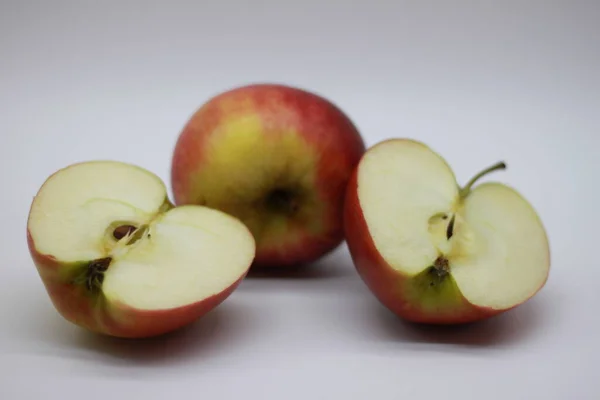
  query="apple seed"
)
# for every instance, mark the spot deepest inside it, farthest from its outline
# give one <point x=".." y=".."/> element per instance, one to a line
<point x="121" y="231"/>
<point x="450" y="229"/>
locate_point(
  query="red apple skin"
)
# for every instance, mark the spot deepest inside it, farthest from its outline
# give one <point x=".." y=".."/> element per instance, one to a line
<point x="389" y="285"/>
<point x="319" y="126"/>
<point x="114" y="319"/>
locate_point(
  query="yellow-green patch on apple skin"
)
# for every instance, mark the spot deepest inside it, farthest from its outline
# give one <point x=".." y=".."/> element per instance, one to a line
<point x="243" y="144"/>
<point x="436" y="294"/>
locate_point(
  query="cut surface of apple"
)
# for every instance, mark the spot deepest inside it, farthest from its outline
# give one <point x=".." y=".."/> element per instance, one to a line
<point x="484" y="246"/>
<point x="105" y="236"/>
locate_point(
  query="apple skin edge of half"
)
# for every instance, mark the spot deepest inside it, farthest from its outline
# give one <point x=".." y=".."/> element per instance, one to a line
<point x="96" y="314"/>
<point x="403" y="295"/>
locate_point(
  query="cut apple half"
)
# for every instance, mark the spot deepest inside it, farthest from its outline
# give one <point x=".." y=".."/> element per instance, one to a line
<point x="118" y="258"/>
<point x="435" y="252"/>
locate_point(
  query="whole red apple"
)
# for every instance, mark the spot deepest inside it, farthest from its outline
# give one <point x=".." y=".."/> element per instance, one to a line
<point x="434" y="252"/>
<point x="276" y="157"/>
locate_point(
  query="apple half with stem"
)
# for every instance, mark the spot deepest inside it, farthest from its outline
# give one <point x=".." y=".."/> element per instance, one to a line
<point x="433" y="252"/>
<point x="117" y="258"/>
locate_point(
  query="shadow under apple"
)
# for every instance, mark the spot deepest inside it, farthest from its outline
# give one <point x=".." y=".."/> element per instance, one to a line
<point x="44" y="333"/>
<point x="506" y="329"/>
<point x="218" y="330"/>
<point x="332" y="266"/>
<point x="299" y="272"/>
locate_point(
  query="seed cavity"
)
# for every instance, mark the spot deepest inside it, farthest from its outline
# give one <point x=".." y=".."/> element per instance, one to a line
<point x="132" y="232"/>
<point x="121" y="231"/>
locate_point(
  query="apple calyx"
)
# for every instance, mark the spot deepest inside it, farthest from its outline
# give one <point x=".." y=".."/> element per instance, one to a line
<point x="92" y="275"/>
<point x="464" y="192"/>
<point x="282" y="201"/>
<point x="441" y="266"/>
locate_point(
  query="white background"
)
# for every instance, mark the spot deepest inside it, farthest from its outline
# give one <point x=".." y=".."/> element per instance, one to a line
<point x="478" y="81"/>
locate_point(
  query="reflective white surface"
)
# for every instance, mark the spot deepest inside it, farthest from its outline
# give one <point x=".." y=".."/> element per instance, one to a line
<point x="478" y="81"/>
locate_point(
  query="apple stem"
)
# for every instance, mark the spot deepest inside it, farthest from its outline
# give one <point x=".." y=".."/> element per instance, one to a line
<point x="498" y="166"/>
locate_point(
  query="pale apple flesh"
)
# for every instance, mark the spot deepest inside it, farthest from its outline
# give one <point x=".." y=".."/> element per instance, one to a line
<point x="436" y="253"/>
<point x="118" y="259"/>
